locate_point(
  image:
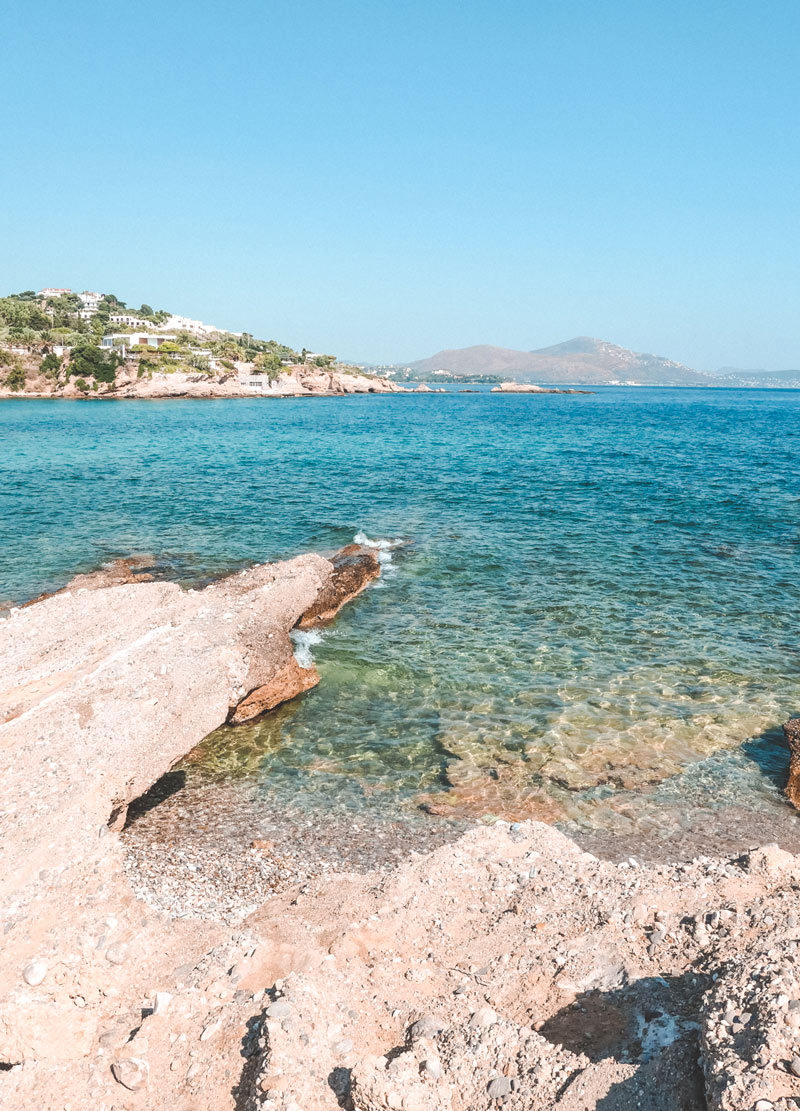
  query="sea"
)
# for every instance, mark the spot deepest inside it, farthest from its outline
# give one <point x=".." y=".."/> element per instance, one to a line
<point x="588" y="611"/>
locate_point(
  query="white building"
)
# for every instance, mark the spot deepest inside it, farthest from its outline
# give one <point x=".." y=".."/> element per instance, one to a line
<point x="91" y="301"/>
<point x="135" y="339"/>
<point x="52" y="292"/>
<point x="194" y="327"/>
<point x="131" y="321"/>
<point x="252" y="379"/>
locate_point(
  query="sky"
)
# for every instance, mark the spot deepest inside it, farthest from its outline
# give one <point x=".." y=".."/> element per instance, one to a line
<point x="381" y="180"/>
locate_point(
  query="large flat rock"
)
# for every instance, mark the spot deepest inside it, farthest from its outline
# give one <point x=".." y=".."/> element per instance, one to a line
<point x="103" y="690"/>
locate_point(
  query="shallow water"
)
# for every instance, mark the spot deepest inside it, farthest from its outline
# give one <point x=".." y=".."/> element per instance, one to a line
<point x="595" y="619"/>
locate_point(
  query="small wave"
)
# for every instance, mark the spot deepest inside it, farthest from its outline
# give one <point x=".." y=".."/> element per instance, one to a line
<point x="304" y="640"/>
<point x="383" y="548"/>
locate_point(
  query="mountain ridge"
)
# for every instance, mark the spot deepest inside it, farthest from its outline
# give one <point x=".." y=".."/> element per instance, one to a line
<point x="583" y="360"/>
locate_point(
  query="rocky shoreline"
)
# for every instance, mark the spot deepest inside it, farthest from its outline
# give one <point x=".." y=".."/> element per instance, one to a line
<point x="296" y="381"/>
<point x="506" y="967"/>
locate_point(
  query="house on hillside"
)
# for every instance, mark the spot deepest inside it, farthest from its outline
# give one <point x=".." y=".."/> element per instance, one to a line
<point x="125" y="340"/>
<point x="52" y="292"/>
<point x="91" y="303"/>
<point x="130" y="321"/>
<point x="193" y="327"/>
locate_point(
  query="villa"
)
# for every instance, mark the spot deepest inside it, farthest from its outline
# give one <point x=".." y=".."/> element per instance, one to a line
<point x="135" y="339"/>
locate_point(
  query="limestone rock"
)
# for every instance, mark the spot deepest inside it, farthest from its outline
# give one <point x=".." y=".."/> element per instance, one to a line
<point x="354" y="568"/>
<point x="791" y="731"/>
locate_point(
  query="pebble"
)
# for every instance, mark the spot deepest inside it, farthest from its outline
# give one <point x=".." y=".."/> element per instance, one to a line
<point x="426" y="1027"/>
<point x="34" y="973"/>
<point x="764" y="1105"/>
<point x="279" y="1009"/>
<point x="483" y="1017"/>
<point x="130" y="1072"/>
<point x="342" y="1048"/>
<point x="210" y="1030"/>
<point x="499" y="1087"/>
<point x="162" y="1002"/>
<point x="116" y="953"/>
<point x="794" y="1066"/>
<point x="432" y="1068"/>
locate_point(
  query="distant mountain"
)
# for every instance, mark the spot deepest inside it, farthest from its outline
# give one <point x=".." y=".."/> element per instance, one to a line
<point x="777" y="379"/>
<point x="582" y="360"/>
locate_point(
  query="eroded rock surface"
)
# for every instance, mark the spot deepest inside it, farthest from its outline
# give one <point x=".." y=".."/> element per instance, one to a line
<point x="104" y="686"/>
<point x="354" y="568"/>
<point x="792" y="733"/>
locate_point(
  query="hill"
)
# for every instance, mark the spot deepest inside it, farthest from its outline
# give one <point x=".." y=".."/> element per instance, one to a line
<point x="764" y="379"/>
<point x="583" y="361"/>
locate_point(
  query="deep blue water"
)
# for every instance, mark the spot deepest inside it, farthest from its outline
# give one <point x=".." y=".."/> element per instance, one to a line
<point x="595" y="586"/>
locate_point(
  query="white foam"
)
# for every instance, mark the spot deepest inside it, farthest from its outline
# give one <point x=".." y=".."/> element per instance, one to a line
<point x="382" y="547"/>
<point x="304" y="640"/>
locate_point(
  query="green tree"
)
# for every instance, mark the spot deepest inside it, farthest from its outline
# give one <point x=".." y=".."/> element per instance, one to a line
<point x="15" y="379"/>
<point x="268" y="363"/>
<point x="82" y="385"/>
<point x="50" y="365"/>
<point x="94" y="363"/>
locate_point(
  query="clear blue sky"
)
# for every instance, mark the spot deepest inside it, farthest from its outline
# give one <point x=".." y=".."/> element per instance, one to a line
<point x="383" y="179"/>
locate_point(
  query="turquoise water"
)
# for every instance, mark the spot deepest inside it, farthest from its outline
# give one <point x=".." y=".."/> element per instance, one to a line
<point x="599" y="596"/>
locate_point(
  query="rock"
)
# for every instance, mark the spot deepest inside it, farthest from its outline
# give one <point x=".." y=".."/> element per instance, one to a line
<point x="281" y="1008"/>
<point x="425" y="1027"/>
<point x="210" y="1030"/>
<point x="432" y="1067"/>
<point x="34" y="973"/>
<point x="794" y="1066"/>
<point x="526" y="387"/>
<point x="131" y="1072"/>
<point x="483" y="1018"/>
<point x="791" y="731"/>
<point x="354" y="568"/>
<point x="287" y="683"/>
<point x="161" y="1002"/>
<point x="117" y="953"/>
<point x="499" y="1087"/>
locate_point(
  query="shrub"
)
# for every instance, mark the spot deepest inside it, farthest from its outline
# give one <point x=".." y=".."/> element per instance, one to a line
<point x="268" y="363"/>
<point x="15" y="379"/>
<point x="94" y="363"/>
<point x="82" y="385"/>
<point x="50" y="365"/>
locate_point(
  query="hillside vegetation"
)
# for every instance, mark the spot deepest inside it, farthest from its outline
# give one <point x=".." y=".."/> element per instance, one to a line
<point x="64" y="338"/>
